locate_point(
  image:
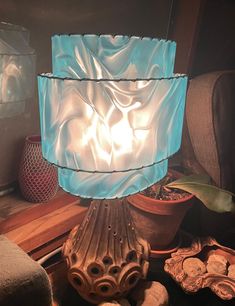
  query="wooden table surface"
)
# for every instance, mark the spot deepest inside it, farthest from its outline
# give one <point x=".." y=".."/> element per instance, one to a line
<point x="40" y="228"/>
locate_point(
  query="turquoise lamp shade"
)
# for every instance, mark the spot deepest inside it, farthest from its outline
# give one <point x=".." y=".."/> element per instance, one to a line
<point x="111" y="113"/>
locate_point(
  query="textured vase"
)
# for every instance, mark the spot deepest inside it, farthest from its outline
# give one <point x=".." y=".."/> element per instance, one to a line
<point x="37" y="178"/>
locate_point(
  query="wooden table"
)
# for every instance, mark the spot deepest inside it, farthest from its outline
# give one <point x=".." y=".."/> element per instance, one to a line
<point x="42" y="227"/>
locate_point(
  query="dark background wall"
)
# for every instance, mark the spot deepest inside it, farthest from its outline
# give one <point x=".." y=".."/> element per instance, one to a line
<point x="45" y="18"/>
<point x="215" y="48"/>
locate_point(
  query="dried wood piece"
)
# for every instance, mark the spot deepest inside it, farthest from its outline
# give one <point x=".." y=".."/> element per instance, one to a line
<point x="221" y="285"/>
<point x="150" y="293"/>
<point x="194" y="267"/>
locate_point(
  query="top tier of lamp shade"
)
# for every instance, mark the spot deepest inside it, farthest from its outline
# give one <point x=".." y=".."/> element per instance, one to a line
<point x="112" y="57"/>
<point x="111" y="113"/>
<point x="17" y="69"/>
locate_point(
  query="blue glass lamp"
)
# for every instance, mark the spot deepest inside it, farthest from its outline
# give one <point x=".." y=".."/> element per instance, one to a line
<point x="111" y="115"/>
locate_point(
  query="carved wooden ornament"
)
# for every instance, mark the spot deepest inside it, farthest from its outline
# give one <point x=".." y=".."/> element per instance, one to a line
<point x="105" y="256"/>
<point x="222" y="285"/>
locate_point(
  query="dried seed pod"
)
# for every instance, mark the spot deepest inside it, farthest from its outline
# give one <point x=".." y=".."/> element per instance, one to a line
<point x="216" y="267"/>
<point x="124" y="302"/>
<point x="194" y="267"/>
<point x="217" y="258"/>
<point x="121" y="302"/>
<point x="149" y="294"/>
<point x="112" y="303"/>
<point x="217" y="264"/>
<point x="231" y="271"/>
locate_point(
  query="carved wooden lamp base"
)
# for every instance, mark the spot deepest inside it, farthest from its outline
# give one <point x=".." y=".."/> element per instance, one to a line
<point x="105" y="255"/>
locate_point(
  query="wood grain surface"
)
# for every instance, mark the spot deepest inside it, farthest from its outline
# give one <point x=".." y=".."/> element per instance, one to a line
<point x="40" y="228"/>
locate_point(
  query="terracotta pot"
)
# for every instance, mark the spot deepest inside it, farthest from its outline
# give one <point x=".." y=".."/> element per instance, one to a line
<point x="158" y="221"/>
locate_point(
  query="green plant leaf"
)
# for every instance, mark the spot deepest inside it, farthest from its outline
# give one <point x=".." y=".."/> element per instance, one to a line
<point x="212" y="197"/>
<point x="195" y="178"/>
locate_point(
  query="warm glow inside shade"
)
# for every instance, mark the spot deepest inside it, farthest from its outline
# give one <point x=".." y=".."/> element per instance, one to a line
<point x="111" y="113"/>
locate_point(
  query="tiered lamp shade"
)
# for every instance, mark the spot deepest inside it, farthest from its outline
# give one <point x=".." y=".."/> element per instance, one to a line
<point x="17" y="70"/>
<point x="111" y="112"/>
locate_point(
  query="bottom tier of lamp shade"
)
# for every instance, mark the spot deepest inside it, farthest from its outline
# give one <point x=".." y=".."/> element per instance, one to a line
<point x="110" y="185"/>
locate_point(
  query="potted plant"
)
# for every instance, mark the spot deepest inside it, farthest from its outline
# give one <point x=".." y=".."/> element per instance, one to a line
<point x="158" y="211"/>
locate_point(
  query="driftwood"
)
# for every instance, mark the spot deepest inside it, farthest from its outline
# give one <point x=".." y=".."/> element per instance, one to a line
<point x="210" y="252"/>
